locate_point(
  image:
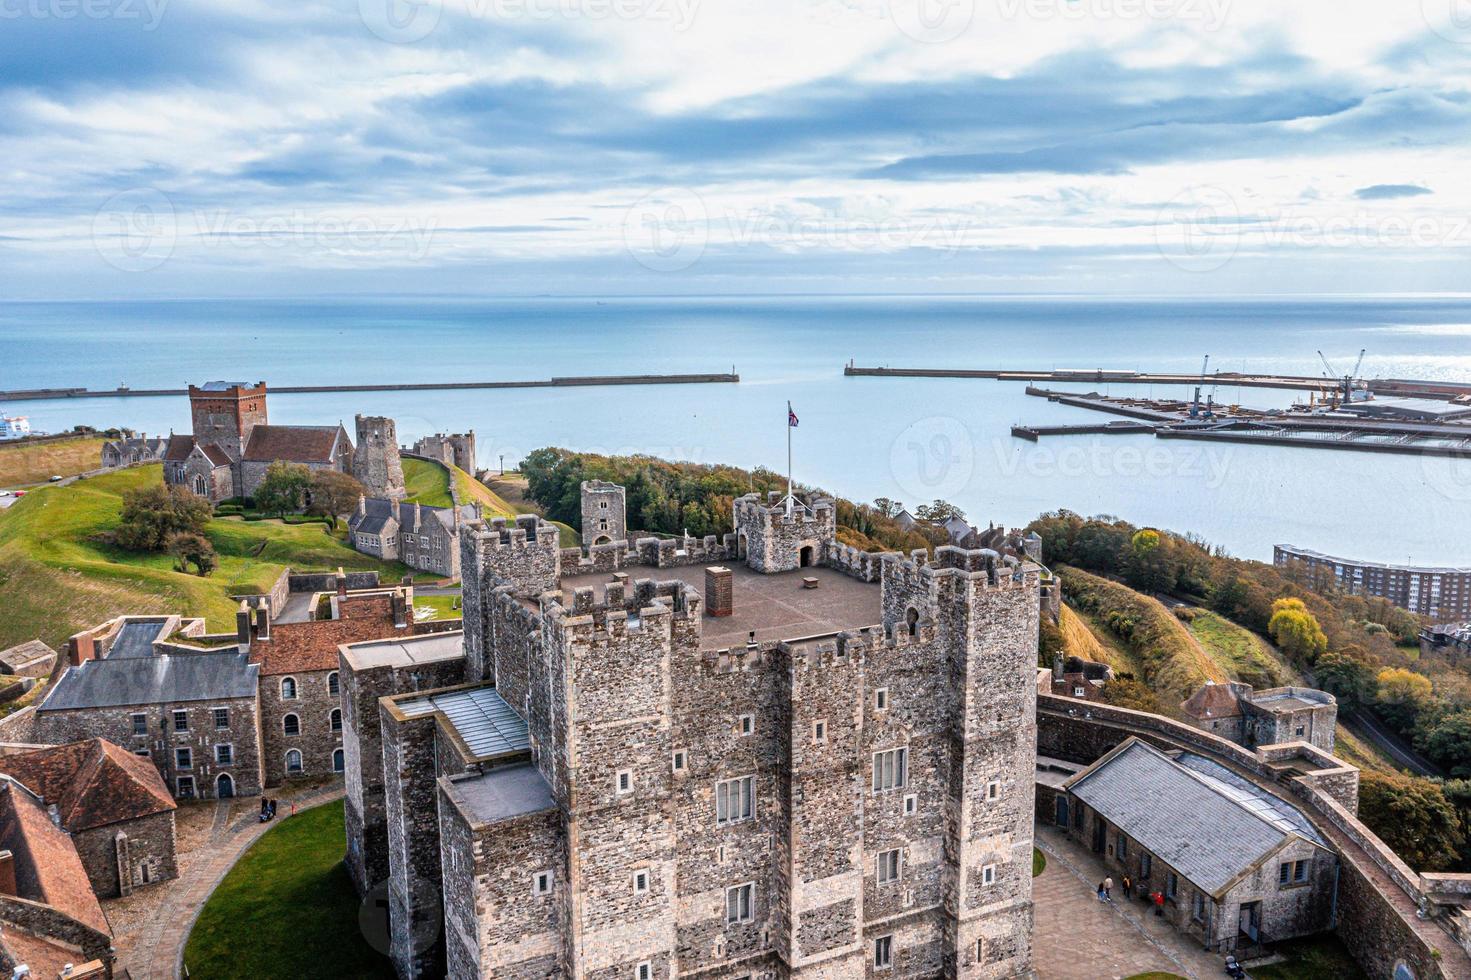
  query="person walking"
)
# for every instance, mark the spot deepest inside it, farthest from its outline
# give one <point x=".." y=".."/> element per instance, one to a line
<point x="1100" y="892"/>
<point x="1159" y="903"/>
<point x="1128" y="884"/>
<point x="1108" y="889"/>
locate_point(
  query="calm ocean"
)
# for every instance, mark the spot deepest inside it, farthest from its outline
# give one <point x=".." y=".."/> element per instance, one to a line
<point x="862" y="437"/>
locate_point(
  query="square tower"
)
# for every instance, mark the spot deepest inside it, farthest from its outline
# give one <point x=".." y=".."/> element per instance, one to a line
<point x="376" y="464"/>
<point x="772" y="537"/>
<point x="224" y="413"/>
<point x="604" y="513"/>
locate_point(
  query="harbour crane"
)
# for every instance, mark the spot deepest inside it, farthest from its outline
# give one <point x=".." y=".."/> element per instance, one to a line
<point x="1346" y="388"/>
<point x="1195" y="404"/>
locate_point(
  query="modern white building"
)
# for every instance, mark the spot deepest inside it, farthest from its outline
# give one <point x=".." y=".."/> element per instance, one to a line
<point x="14" y="426"/>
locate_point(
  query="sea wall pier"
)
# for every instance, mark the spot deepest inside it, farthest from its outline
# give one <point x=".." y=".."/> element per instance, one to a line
<point x="587" y="381"/>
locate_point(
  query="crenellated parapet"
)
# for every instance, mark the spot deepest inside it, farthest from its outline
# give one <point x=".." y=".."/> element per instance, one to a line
<point x="865" y="566"/>
<point x="780" y="534"/>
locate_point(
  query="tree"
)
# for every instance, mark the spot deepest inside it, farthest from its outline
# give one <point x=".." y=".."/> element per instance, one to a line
<point x="1400" y="695"/>
<point x="1126" y="692"/>
<point x="150" y="514"/>
<point x="189" y="548"/>
<point x="1447" y="743"/>
<point x="1296" y="630"/>
<point x="1413" y="817"/>
<point x="284" y="488"/>
<point x="887" y="507"/>
<point x="938" y="512"/>
<point x="334" y="493"/>
<point x="1346" y="677"/>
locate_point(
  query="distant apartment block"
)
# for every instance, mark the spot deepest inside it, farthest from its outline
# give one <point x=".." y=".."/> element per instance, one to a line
<point x="1441" y="593"/>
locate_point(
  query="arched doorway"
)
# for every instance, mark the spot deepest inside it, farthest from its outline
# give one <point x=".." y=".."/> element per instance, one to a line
<point x="804" y="557"/>
<point x="741" y="545"/>
<point x="337" y="761"/>
<point x="911" y="621"/>
<point x="224" y="787"/>
<point x="602" y="539"/>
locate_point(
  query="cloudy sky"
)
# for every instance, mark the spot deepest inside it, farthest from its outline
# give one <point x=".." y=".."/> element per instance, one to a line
<point x="199" y="147"/>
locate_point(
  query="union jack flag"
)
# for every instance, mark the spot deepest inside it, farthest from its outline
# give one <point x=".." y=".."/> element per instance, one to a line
<point x="791" y="416"/>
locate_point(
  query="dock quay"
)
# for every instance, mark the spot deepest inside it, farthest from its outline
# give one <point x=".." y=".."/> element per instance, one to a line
<point x="1032" y="433"/>
<point x="588" y="381"/>
<point x="1396" y="387"/>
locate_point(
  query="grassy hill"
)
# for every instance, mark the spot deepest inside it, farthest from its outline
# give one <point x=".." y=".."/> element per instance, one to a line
<point x="36" y="462"/>
<point x="428" y="483"/>
<point x="1239" y="652"/>
<point x="57" y="578"/>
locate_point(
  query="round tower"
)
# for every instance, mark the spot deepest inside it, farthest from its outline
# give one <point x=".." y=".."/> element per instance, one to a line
<point x="375" y="463"/>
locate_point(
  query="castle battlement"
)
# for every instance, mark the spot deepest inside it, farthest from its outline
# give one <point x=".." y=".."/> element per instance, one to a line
<point x="622" y="608"/>
<point x="813" y="511"/>
<point x="528" y="531"/>
<point x="982" y="567"/>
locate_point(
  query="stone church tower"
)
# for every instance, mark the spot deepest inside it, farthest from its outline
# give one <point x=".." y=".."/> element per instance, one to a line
<point x="376" y="463"/>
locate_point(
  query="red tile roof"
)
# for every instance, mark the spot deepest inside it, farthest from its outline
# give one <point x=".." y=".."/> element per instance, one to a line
<point x="45" y="958"/>
<point x="92" y="783"/>
<point x="216" y="455"/>
<point x="47" y="868"/>
<point x="303" y="647"/>
<point x="292" y="443"/>
<point x="179" y="448"/>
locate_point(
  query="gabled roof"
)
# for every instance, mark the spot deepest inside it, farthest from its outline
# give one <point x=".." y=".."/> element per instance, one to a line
<point x="215" y="454"/>
<point x="159" y="679"/>
<point x="1213" y="701"/>
<point x="179" y="448"/>
<point x="47" y="868"/>
<point x="1206" y="829"/>
<point x="292" y="443"/>
<point x="92" y="783"/>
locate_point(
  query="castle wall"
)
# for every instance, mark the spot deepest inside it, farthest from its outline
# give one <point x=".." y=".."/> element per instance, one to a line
<point x="150" y="843"/>
<point x="316" y="741"/>
<point x="524" y="558"/>
<point x="410" y="795"/>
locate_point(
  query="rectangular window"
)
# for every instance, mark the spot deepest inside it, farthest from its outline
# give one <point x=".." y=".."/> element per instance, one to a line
<point x="1078" y="692"/>
<point x="888" y="866"/>
<point x="881" y="699"/>
<point x="735" y="799"/>
<point x="143" y="752"/>
<point x="1123" y="847"/>
<point x="625" y="781"/>
<point x="819" y="732"/>
<point x="1197" y="909"/>
<point x="181" y="721"/>
<point x="993" y="790"/>
<point x="541" y="883"/>
<point x="890" y="769"/>
<point x="186" y="787"/>
<point x="1284" y="872"/>
<point x="643" y="971"/>
<point x="680" y="761"/>
<point x="1172" y="885"/>
<point x="911" y="804"/>
<point x="140" y="724"/>
<point x="747" y="724"/>
<point x="183" y="759"/>
<point x="980" y="950"/>
<point x="988" y="874"/>
<point x="222" y="718"/>
<point x="739" y="906"/>
<point x="640" y="882"/>
<point x="224" y="754"/>
<point x="1146" y="861"/>
<point x="883" y="952"/>
<point x="1299" y="871"/>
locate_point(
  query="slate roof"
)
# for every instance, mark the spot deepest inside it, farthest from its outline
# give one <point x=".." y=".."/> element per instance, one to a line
<point x="224" y="385"/>
<point x="135" y="638"/>
<point x="292" y="443"/>
<point x="1207" y="830"/>
<point x="92" y="783"/>
<point x="47" y="868"/>
<point x="378" y="511"/>
<point x="159" y="679"/>
<point x="480" y="716"/>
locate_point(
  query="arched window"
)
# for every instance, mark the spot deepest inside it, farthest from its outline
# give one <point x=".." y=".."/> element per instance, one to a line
<point x="332" y="686"/>
<point x="200" y="487"/>
<point x="337" y="765"/>
<point x="337" y="719"/>
<point x="293" y="762"/>
<point x="288" y="689"/>
<point x="911" y="620"/>
<point x="291" y="725"/>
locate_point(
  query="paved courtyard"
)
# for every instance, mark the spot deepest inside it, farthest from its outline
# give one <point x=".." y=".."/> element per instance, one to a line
<point x="151" y="925"/>
<point x="1080" y="938"/>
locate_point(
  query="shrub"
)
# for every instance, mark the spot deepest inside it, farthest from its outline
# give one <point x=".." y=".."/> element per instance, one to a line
<point x="151" y="514"/>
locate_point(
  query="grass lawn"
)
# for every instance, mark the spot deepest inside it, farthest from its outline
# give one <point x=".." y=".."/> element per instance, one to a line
<point x="287" y="909"/>
<point x="1087" y="637"/>
<point x="1313" y="958"/>
<point x="1039" y="862"/>
<point x="37" y="462"/>
<point x="1238" y="651"/>
<point x="428" y="608"/>
<point x="428" y="484"/>
<point x="57" y="579"/>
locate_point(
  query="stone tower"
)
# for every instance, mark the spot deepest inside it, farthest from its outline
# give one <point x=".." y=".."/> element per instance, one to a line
<point x="225" y="412"/>
<point x="376" y="463"/>
<point x="772" y="540"/>
<point x="604" y="513"/>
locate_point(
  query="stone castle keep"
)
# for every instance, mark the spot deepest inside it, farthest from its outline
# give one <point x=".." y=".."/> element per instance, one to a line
<point x="604" y="780"/>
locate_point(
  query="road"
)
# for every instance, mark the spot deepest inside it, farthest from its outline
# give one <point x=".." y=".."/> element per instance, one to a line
<point x="1369" y="727"/>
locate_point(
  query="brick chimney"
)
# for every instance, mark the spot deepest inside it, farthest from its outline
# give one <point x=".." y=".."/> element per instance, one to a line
<point x="80" y="648"/>
<point x="7" y="873"/>
<point x="400" y="609"/>
<point x="719" y="591"/>
<point x="242" y="625"/>
<point x="263" y="621"/>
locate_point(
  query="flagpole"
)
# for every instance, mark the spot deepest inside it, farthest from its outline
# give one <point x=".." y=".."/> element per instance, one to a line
<point x="789" y="459"/>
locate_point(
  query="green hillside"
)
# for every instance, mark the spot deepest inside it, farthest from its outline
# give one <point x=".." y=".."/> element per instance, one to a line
<point x="428" y="483"/>
<point x="58" y="577"/>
